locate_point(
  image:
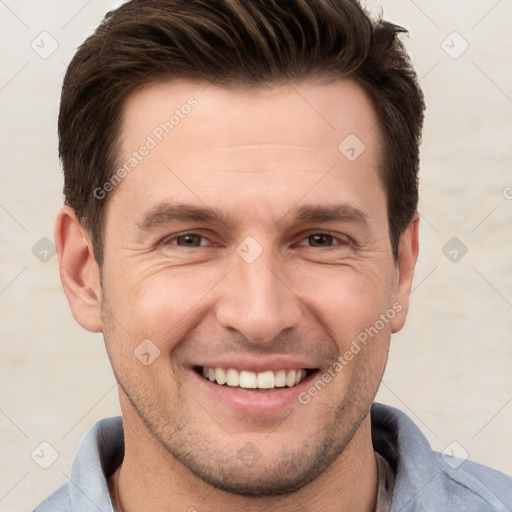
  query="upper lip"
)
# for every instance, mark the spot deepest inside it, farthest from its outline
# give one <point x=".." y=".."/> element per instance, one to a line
<point x="258" y="365"/>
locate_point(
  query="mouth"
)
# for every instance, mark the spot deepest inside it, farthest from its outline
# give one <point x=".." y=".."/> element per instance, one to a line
<point x="244" y="379"/>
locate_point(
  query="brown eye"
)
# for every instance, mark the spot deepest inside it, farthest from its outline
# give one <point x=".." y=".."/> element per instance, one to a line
<point x="188" y="240"/>
<point x="320" y="240"/>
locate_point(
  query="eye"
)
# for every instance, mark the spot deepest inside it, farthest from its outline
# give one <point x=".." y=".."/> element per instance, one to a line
<point x="187" y="240"/>
<point x="322" y="240"/>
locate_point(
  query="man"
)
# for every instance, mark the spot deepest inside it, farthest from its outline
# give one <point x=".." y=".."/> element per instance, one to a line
<point x="240" y="224"/>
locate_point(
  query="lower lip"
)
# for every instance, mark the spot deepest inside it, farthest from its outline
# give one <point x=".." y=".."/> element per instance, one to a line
<point x="254" y="402"/>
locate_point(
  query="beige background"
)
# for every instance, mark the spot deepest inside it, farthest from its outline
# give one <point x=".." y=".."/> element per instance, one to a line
<point x="449" y="369"/>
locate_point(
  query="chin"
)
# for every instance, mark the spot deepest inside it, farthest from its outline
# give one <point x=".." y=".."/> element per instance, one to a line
<point x="246" y="471"/>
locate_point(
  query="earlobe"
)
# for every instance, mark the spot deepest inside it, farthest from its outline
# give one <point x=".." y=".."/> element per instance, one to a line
<point x="79" y="271"/>
<point x="407" y="256"/>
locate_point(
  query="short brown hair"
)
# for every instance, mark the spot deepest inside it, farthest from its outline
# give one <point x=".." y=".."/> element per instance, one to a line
<point x="234" y="42"/>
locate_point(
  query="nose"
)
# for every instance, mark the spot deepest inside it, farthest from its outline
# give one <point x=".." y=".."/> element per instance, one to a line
<point x="257" y="301"/>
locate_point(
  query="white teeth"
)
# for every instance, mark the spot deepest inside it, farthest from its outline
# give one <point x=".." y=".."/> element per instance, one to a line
<point x="266" y="380"/>
<point x="220" y="376"/>
<point x="251" y="380"/>
<point x="233" y="378"/>
<point x="280" y="379"/>
<point x="290" y="378"/>
<point x="248" y="380"/>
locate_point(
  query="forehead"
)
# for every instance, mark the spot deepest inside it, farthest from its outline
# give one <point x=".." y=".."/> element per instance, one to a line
<point x="265" y="141"/>
<point x="309" y="115"/>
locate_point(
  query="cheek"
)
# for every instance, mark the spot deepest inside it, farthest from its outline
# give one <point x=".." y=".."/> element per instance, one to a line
<point x="160" y="303"/>
<point x="346" y="300"/>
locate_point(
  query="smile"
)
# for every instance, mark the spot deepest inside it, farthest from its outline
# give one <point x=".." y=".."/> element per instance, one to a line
<point x="252" y="380"/>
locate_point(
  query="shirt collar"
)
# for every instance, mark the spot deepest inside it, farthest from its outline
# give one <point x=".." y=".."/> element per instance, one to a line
<point x="99" y="454"/>
<point x="424" y="479"/>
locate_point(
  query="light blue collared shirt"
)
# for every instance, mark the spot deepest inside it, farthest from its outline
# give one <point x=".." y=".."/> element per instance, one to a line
<point x="426" y="481"/>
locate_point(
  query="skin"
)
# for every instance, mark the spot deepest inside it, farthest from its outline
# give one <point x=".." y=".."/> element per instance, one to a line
<point x="256" y="155"/>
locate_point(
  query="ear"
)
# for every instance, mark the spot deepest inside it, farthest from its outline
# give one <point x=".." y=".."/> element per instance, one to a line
<point x="79" y="271"/>
<point x="408" y="249"/>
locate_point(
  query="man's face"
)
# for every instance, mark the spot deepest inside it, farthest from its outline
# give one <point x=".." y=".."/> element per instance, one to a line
<point x="247" y="240"/>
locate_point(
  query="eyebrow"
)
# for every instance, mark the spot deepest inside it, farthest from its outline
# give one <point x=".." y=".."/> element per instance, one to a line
<point x="166" y="213"/>
<point x="335" y="213"/>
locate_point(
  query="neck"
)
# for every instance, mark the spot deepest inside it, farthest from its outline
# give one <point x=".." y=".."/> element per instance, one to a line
<point x="151" y="479"/>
